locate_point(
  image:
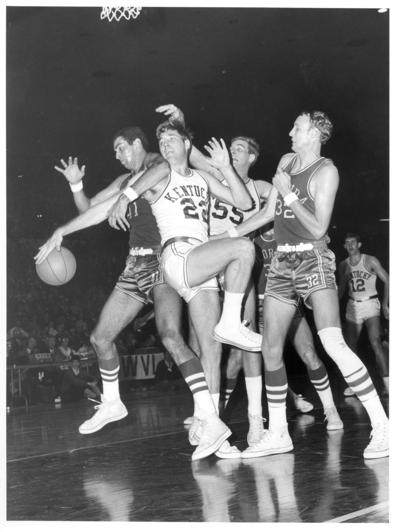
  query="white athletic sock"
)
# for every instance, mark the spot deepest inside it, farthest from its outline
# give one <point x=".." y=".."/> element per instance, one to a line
<point x="254" y="390"/>
<point x="203" y="404"/>
<point x="354" y="372"/>
<point x="277" y="421"/>
<point x="232" y="310"/>
<point x="110" y="383"/>
<point x="215" y="399"/>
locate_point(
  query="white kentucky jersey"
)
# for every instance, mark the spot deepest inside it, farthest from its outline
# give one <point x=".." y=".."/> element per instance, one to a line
<point x="183" y="207"/>
<point x="362" y="282"/>
<point x="224" y="216"/>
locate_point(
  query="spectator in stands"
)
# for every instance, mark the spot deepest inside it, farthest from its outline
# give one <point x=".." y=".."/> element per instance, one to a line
<point x="77" y="385"/>
<point x="167" y="374"/>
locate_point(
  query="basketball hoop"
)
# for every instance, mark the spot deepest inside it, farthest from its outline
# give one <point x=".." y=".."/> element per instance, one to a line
<point x="116" y="13"/>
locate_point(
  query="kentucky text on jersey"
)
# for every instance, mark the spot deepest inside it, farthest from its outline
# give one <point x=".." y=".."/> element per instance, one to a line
<point x="360" y="275"/>
<point x="186" y="191"/>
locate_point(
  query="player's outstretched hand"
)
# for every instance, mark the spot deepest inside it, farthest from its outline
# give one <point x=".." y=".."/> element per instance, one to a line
<point x="218" y="152"/>
<point x="172" y="111"/>
<point x="117" y="215"/>
<point x="53" y="242"/>
<point x="71" y="171"/>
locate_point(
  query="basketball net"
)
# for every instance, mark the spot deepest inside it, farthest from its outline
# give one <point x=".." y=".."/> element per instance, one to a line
<point x="116" y="13"/>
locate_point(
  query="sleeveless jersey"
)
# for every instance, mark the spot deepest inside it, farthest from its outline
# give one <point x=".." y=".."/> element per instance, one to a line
<point x="361" y="282"/>
<point x="183" y="207"/>
<point x="143" y="227"/>
<point x="224" y="216"/>
<point x="265" y="246"/>
<point x="288" y="229"/>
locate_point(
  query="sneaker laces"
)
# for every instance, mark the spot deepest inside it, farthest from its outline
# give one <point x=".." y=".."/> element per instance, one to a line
<point x="248" y="333"/>
<point x="379" y="433"/>
<point x="99" y="403"/>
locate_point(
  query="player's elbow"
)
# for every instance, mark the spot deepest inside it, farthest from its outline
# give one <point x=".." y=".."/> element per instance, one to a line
<point x="319" y="232"/>
<point x="245" y="204"/>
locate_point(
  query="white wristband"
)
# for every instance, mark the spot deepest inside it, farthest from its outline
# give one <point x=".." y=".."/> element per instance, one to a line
<point x="130" y="193"/>
<point x="76" y="187"/>
<point x="233" y="232"/>
<point x="290" y="198"/>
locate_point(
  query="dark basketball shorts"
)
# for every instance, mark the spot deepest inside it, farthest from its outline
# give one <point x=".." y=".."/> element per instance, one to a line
<point x="299" y="314"/>
<point x="296" y="275"/>
<point x="140" y="276"/>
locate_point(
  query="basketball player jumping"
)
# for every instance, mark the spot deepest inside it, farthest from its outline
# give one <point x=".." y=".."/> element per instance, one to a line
<point x="141" y="281"/>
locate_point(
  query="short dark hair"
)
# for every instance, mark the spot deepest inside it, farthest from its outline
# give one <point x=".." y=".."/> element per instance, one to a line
<point x="174" y="125"/>
<point x="353" y="235"/>
<point x="322" y="122"/>
<point x="252" y="144"/>
<point x="130" y="134"/>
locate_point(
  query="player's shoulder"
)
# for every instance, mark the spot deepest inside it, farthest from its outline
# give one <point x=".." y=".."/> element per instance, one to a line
<point x="152" y="158"/>
<point x="263" y="187"/>
<point x="120" y="179"/>
<point x="370" y="260"/>
<point x="328" y="167"/>
<point x="285" y="159"/>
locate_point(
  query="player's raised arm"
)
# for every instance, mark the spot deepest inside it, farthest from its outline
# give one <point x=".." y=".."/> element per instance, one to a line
<point x="236" y="193"/>
<point x="74" y="175"/>
<point x="93" y="216"/>
<point x="259" y="219"/>
<point x="196" y="159"/>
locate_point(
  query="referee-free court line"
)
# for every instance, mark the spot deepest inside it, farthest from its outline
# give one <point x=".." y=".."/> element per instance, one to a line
<point x="359" y="513"/>
<point x="105" y="444"/>
<point x="87" y="447"/>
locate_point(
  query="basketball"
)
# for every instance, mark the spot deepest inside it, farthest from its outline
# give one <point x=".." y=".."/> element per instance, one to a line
<point x="58" y="268"/>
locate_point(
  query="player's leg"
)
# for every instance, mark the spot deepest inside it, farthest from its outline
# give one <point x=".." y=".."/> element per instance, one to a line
<point x="374" y="330"/>
<point x="325" y="307"/>
<point x="234" y="256"/>
<point x="204" y="311"/>
<point x="168" y="313"/>
<point x="119" y="310"/>
<point x="252" y="366"/>
<point x="230" y="374"/>
<point x="278" y="316"/>
<point x="352" y="331"/>
<point x="301" y="336"/>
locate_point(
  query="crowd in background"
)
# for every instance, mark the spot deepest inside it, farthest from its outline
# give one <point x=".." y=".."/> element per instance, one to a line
<point x="52" y="324"/>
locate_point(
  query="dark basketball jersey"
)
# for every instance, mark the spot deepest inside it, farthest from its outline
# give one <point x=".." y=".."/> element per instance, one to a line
<point x="288" y="229"/>
<point x="143" y="231"/>
<point x="265" y="246"/>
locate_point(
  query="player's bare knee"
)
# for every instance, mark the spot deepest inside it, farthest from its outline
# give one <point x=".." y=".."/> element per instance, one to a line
<point x="99" y="341"/>
<point x="171" y="339"/>
<point x="245" y="249"/>
<point x="309" y="356"/>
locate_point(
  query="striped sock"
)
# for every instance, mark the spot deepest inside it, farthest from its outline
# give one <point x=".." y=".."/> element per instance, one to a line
<point x="227" y="391"/>
<point x="354" y="372"/>
<point x="320" y="380"/>
<point x="192" y="372"/>
<point x="276" y="386"/>
<point x="361" y="384"/>
<point x="110" y="383"/>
